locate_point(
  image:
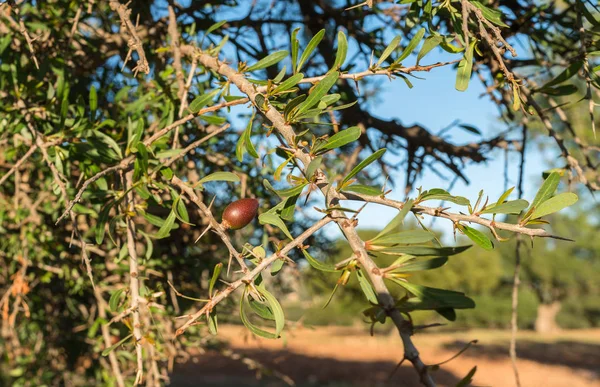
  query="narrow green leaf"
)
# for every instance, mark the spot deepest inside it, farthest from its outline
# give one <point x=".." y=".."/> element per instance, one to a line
<point x="273" y="219"/>
<point x="340" y="139"/>
<point x="465" y="66"/>
<point x="403" y="237"/>
<point x="202" y="100"/>
<point x="510" y="207"/>
<point x="444" y="298"/>
<point x="165" y="229"/>
<point x="277" y="266"/>
<point x="215" y="27"/>
<point x="546" y="190"/>
<point x="477" y="236"/>
<point x="363" y="189"/>
<point x="93" y="102"/>
<point x="220" y="176"/>
<point x="314" y="42"/>
<point x="269" y="60"/>
<point x="470" y="128"/>
<point x="313" y="166"/>
<point x="318" y="92"/>
<point x="395" y="223"/>
<point x="253" y="328"/>
<point x="281" y="74"/>
<point x="468" y="379"/>
<point x="366" y="287"/>
<point x="414" y="42"/>
<point x="389" y="50"/>
<point x="363" y="164"/>
<point x="214" y="278"/>
<point x="493" y="15"/>
<point x="213" y="323"/>
<point x="289" y="207"/>
<point x="428" y="264"/>
<point x="294" y="43"/>
<point x="293" y="191"/>
<point x="288" y="83"/>
<point x="342" y="50"/>
<point x="554" y="204"/>
<point x="318" y="264"/>
<point x="430" y="43"/>
<point x="115" y="300"/>
<point x="566" y="74"/>
<point x="423" y="251"/>
<point x="113" y="347"/>
<point x="275" y="308"/>
<point x="247" y="142"/>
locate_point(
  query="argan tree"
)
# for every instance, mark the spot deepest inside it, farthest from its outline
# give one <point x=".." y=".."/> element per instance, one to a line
<point x="120" y="151"/>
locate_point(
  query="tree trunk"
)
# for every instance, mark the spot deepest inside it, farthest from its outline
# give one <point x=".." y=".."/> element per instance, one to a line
<point x="546" y="317"/>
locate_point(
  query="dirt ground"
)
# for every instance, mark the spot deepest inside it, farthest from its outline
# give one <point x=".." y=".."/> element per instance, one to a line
<point x="340" y="357"/>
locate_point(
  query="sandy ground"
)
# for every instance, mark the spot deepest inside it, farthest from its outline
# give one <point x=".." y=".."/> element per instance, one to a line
<point x="338" y="356"/>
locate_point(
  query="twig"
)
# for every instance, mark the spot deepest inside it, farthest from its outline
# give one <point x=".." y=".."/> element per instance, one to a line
<point x="23" y="31"/>
<point x="176" y="65"/>
<point x="251" y="275"/>
<point x="135" y="43"/>
<point x="114" y="363"/>
<point x="213" y="222"/>
<point x="133" y="279"/>
<point x="18" y="163"/>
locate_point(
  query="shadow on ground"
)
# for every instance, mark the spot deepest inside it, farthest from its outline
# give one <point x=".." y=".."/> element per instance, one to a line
<point x="572" y="354"/>
<point x="213" y="369"/>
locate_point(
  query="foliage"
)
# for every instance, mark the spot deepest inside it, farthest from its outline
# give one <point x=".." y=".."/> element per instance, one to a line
<point x="116" y="132"/>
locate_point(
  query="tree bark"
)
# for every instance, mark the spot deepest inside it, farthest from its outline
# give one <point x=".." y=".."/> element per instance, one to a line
<point x="545" y="321"/>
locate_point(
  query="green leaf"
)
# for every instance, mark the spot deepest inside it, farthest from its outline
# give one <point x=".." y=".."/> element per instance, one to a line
<point x="423" y="251"/>
<point x="470" y="128"/>
<point x="340" y="139"/>
<point x="313" y="166"/>
<point x="288" y="83"/>
<point x="414" y="42"/>
<point x="212" y="323"/>
<point x="262" y="310"/>
<point x="293" y="191"/>
<point x="289" y="207"/>
<point x="465" y="66"/>
<point x="505" y="195"/>
<point x="566" y="74"/>
<point x="403" y="237"/>
<point x="108" y="140"/>
<point x="277" y="266"/>
<point x="468" y="379"/>
<point x="247" y="142"/>
<point x="477" y="236"/>
<point x="510" y="207"/>
<point x="102" y="220"/>
<point x="388" y="50"/>
<point x="115" y="300"/>
<point x="546" y="190"/>
<point x="439" y="194"/>
<point x="215" y="26"/>
<point x="318" y="264"/>
<point x="280" y="76"/>
<point x="395" y="223"/>
<point x="220" y="176"/>
<point x="428" y="264"/>
<point x="342" y="50"/>
<point x="294" y="43"/>
<point x="314" y="42"/>
<point x="430" y="43"/>
<point x="318" y="92"/>
<point x="363" y="164"/>
<point x="202" y="100"/>
<point x="214" y="278"/>
<point x="363" y="189"/>
<point x="112" y="347"/>
<point x="269" y="60"/>
<point x="167" y="226"/>
<point x="554" y="204"/>
<point x="93" y="102"/>
<point x="253" y="328"/>
<point x="275" y="308"/>
<point x="366" y="287"/>
<point x="493" y="15"/>
<point x="273" y="219"/>
<point x="443" y="298"/>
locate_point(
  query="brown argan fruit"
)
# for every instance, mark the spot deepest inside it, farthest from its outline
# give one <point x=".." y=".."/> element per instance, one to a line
<point x="239" y="213"/>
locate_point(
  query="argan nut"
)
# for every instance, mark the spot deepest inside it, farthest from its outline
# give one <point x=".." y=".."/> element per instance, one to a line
<point x="239" y="213"/>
